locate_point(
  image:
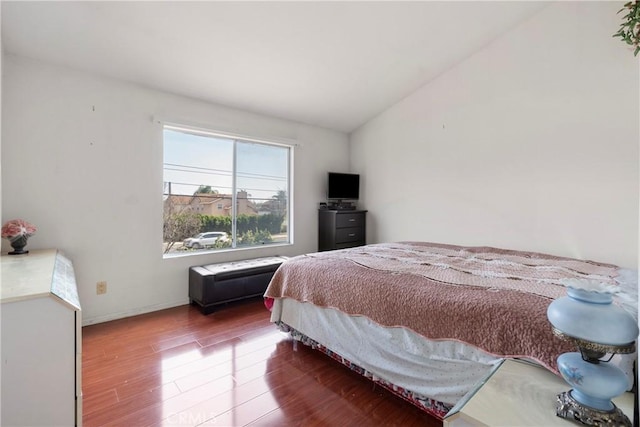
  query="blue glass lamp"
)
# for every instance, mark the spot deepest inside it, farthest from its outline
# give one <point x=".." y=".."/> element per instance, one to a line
<point x="588" y="318"/>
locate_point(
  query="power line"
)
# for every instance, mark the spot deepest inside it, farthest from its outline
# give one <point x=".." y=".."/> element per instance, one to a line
<point x="212" y="171"/>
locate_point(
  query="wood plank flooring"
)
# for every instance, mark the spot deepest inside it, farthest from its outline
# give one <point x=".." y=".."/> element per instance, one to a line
<point x="177" y="367"/>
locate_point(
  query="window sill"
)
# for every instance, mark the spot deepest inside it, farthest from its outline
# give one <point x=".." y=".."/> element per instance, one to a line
<point x="196" y="253"/>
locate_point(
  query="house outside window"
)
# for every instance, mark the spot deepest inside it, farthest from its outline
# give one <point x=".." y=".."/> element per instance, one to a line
<point x="234" y="189"/>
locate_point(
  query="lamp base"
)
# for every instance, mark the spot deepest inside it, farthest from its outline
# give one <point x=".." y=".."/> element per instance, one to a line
<point x="569" y="408"/>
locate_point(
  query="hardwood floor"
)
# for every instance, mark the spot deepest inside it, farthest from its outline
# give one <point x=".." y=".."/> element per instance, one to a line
<point x="177" y="367"/>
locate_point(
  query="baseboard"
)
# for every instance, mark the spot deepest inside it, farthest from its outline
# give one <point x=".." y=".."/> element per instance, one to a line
<point x="86" y="321"/>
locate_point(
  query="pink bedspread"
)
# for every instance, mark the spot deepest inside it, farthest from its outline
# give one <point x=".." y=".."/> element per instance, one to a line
<point x="494" y="299"/>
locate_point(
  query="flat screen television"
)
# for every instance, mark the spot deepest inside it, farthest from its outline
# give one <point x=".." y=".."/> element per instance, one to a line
<point x="343" y="186"/>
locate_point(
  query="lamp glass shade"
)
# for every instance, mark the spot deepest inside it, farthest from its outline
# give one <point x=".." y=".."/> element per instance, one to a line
<point x="591" y="316"/>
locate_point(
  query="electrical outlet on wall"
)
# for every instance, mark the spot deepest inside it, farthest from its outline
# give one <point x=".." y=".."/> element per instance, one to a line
<point x="101" y="288"/>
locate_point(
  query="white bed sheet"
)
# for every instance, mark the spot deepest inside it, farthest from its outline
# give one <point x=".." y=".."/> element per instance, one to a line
<point x="393" y="354"/>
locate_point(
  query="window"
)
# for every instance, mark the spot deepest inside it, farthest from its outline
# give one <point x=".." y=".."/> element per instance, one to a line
<point x="222" y="192"/>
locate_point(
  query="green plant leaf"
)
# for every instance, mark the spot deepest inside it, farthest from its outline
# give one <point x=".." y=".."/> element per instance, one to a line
<point x="629" y="30"/>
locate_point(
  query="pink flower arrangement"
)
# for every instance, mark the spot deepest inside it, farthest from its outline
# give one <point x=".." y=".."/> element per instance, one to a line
<point x="17" y="228"/>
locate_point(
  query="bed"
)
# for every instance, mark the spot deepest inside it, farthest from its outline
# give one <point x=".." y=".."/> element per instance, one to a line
<point x="429" y="321"/>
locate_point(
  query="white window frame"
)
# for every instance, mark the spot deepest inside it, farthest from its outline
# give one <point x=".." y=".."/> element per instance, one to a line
<point x="278" y="142"/>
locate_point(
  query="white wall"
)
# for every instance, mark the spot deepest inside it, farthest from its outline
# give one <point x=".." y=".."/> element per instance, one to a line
<point x="82" y="160"/>
<point x="1" y="73"/>
<point x="531" y="143"/>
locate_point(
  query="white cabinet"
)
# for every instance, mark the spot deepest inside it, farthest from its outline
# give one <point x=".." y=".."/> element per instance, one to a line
<point x="518" y="394"/>
<point x="41" y="346"/>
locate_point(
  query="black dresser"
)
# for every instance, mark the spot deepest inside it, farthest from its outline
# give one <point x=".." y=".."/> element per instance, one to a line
<point x="340" y="229"/>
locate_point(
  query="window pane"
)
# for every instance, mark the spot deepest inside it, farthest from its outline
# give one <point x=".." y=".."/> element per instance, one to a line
<point x="192" y="161"/>
<point x="200" y="182"/>
<point x="263" y="186"/>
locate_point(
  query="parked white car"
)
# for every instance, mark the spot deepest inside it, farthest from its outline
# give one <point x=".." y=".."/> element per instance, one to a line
<point x="205" y="239"/>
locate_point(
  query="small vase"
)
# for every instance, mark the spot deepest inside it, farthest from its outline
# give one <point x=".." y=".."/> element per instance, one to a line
<point x="18" y="243"/>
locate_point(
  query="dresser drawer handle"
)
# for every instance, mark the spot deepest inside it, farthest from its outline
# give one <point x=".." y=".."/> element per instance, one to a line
<point x="352" y="234"/>
<point x="352" y="220"/>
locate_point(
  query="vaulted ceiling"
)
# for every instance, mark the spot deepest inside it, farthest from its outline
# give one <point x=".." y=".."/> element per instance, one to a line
<point x="330" y="64"/>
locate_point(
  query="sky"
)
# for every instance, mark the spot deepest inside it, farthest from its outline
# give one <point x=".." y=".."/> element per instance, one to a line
<point x="192" y="160"/>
